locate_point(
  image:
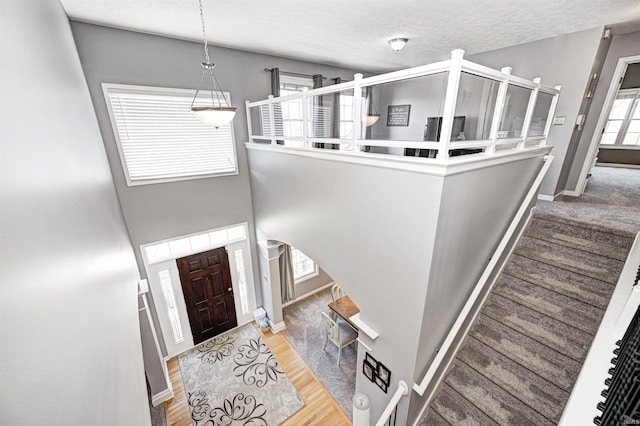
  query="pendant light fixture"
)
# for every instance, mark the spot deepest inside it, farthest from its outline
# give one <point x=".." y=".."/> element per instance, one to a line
<point x="372" y="115"/>
<point x="220" y="112"/>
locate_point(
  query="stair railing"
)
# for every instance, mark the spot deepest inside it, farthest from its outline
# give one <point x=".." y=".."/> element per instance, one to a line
<point x="452" y="342"/>
<point x="265" y="120"/>
<point x="616" y="329"/>
<point x="392" y="407"/>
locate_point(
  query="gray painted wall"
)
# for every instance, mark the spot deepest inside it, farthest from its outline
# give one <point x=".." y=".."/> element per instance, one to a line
<point x="161" y="211"/>
<point x="426" y="96"/>
<point x="407" y="247"/>
<point x="70" y="351"/>
<point x="312" y="284"/>
<point x="619" y="156"/>
<point x="565" y="60"/>
<point x="475" y="211"/>
<point x="622" y="45"/>
<point x="369" y="229"/>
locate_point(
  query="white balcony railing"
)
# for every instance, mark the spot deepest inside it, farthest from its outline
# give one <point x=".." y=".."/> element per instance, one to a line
<point x="490" y="111"/>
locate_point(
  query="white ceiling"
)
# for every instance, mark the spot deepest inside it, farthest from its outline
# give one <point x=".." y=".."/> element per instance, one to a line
<point x="354" y="33"/>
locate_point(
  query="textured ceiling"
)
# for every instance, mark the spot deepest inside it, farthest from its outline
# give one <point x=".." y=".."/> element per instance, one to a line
<point x="354" y="33"/>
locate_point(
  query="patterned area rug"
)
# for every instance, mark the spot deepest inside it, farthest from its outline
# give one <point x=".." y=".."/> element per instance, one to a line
<point x="234" y="379"/>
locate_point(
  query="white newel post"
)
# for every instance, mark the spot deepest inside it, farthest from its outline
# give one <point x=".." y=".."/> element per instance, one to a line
<point x="529" y="114"/>
<point x="249" y="127"/>
<point x="552" y="113"/>
<point x="357" y="111"/>
<point x="499" y="108"/>
<point x="450" y="99"/>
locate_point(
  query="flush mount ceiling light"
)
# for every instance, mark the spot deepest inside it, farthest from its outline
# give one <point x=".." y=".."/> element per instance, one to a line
<point x="398" y="43"/>
<point x="219" y="113"/>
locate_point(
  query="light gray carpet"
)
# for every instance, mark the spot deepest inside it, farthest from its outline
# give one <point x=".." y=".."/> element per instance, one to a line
<point x="234" y="378"/>
<point x="305" y="333"/>
<point x="523" y="354"/>
<point x="611" y="199"/>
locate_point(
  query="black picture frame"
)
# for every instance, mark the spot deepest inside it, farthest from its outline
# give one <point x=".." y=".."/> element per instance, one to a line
<point x="384" y="374"/>
<point x="381" y="384"/>
<point x="398" y="115"/>
<point x="368" y="370"/>
<point x="376" y="372"/>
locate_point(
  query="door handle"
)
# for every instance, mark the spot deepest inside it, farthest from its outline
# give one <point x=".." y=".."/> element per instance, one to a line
<point x="230" y="289"/>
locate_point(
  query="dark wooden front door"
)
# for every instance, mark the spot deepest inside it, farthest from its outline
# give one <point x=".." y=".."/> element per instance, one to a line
<point x="206" y="284"/>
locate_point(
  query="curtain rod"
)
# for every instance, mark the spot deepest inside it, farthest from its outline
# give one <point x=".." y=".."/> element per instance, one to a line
<point x="297" y="74"/>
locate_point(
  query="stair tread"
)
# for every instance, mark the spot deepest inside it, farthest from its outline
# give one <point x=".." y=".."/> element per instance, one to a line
<point x="542" y="360"/>
<point x="574" y="312"/>
<point x="548" y="331"/>
<point x="590" y="240"/>
<point x="598" y="267"/>
<point x="432" y="418"/>
<point x="589" y="290"/>
<point x="573" y="222"/>
<point x="452" y="408"/>
<point x="535" y="391"/>
<point x="497" y="403"/>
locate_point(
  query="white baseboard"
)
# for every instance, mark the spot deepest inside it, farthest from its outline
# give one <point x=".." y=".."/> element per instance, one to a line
<point x="161" y="397"/>
<point x="574" y="193"/>
<point x="545" y="197"/>
<point x="624" y="166"/>
<point x="277" y="328"/>
<point x="304" y="296"/>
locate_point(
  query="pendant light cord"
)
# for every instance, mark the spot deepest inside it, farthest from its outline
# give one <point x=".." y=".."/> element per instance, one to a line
<point x="216" y="91"/>
<point x="204" y="34"/>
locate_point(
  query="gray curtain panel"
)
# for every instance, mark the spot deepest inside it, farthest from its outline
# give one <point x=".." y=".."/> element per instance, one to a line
<point x="317" y="101"/>
<point x="287" y="282"/>
<point x="275" y="82"/>
<point x="275" y="91"/>
<point x="336" y="115"/>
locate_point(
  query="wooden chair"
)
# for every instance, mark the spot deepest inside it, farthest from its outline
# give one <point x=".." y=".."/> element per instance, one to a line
<point x="341" y="334"/>
<point x="337" y="292"/>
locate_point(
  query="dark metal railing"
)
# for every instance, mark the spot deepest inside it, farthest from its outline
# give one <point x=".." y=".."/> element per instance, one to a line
<point x="622" y="393"/>
<point x="392" y="418"/>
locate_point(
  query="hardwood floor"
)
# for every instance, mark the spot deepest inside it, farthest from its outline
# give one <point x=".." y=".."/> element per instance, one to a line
<point x="320" y="408"/>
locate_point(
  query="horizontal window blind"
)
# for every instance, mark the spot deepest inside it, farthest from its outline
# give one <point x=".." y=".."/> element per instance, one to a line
<point x="160" y="139"/>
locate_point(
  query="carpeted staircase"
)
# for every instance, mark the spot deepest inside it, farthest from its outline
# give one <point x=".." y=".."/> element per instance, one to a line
<point x="523" y="354"/>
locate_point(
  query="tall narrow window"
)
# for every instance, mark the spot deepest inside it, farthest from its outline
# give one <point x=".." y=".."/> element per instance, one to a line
<point x="623" y="123"/>
<point x="170" y="305"/>
<point x="238" y="255"/>
<point x="346" y="116"/>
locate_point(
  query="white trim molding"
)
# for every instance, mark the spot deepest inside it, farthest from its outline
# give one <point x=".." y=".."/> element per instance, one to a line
<point x="590" y="159"/>
<point x="546" y="197"/>
<point x="161" y="397"/>
<point x="277" y="327"/>
<point x="311" y="293"/>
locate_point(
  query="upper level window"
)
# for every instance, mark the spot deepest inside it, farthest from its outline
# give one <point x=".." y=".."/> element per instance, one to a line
<point x="346" y="116"/>
<point x="292" y="123"/>
<point x="303" y="267"/>
<point x="159" y="138"/>
<point x="623" y="123"/>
